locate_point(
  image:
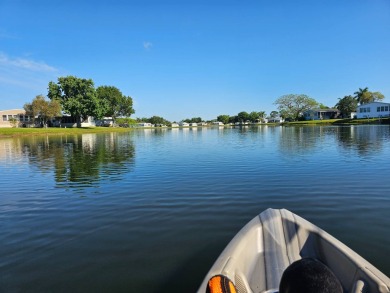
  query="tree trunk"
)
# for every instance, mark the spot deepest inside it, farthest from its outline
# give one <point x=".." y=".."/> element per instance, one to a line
<point x="78" y="120"/>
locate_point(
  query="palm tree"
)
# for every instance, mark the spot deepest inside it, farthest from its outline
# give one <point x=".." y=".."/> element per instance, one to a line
<point x="262" y="115"/>
<point x="359" y="95"/>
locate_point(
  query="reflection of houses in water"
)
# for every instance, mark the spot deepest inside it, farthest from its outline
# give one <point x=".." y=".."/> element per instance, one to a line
<point x="301" y="139"/>
<point x="9" y="148"/>
<point x="364" y="138"/>
<point x="88" y="141"/>
<point x="185" y="131"/>
<point x="147" y="132"/>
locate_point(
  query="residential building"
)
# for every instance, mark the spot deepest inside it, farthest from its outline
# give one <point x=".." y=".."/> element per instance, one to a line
<point x="145" y="124"/>
<point x="276" y="119"/>
<point x="105" y="121"/>
<point x="321" y="114"/>
<point x="373" y="110"/>
<point x="184" y="124"/>
<point x="23" y="120"/>
<point x="70" y="121"/>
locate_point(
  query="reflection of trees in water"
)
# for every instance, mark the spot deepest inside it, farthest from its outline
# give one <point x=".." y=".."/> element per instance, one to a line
<point x="81" y="160"/>
<point x="301" y="139"/>
<point x="365" y="139"/>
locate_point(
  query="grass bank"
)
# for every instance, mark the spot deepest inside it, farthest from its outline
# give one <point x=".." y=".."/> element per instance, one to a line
<point x="341" y="122"/>
<point x="12" y="132"/>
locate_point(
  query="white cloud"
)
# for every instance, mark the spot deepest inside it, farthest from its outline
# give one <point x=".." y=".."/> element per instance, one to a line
<point x="22" y="78"/>
<point x="23" y="63"/>
<point x="148" y="45"/>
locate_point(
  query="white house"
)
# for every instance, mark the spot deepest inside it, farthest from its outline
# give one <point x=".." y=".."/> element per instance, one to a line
<point x="175" y="125"/>
<point x="70" y="121"/>
<point x="105" y="121"/>
<point x="145" y="124"/>
<point x="184" y="124"/>
<point x="373" y="110"/>
<point x="217" y="123"/>
<point x="193" y="124"/>
<point x="277" y="119"/>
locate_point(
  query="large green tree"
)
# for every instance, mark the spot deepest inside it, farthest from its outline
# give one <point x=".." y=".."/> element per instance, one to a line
<point x="243" y="116"/>
<point x="193" y="120"/>
<point x="113" y="102"/>
<point x="77" y="97"/>
<point x="233" y="119"/>
<point x="223" y="118"/>
<point x="347" y="105"/>
<point x="262" y="114"/>
<point x="377" y="96"/>
<point x="158" y="120"/>
<point x="253" y="116"/>
<point x="292" y="106"/>
<point x="42" y="109"/>
<point x="364" y="96"/>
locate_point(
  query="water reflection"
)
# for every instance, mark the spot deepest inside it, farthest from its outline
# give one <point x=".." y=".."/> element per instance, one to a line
<point x="152" y="213"/>
<point x="301" y="140"/>
<point x="365" y="140"/>
<point x="77" y="161"/>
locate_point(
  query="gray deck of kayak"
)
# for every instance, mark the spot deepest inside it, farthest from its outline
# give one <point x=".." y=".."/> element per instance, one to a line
<point x="257" y="256"/>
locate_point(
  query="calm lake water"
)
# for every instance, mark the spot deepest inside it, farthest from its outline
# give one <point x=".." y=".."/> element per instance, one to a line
<point x="150" y="210"/>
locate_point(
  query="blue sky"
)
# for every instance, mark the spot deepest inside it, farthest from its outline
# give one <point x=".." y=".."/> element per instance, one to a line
<point x="183" y="59"/>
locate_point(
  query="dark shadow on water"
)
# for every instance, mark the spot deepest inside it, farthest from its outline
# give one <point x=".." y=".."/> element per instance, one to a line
<point x="189" y="275"/>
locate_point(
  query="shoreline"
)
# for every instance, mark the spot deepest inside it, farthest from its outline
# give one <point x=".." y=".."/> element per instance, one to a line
<point x="18" y="132"/>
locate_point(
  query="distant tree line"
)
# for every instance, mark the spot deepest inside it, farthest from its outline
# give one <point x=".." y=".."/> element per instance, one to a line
<point x="193" y="120"/>
<point x="155" y="120"/>
<point x="242" y="117"/>
<point x="79" y="98"/>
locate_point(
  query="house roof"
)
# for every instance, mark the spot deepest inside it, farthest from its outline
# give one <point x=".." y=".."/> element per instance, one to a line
<point x="374" y="103"/>
<point x="13" y="112"/>
<point x="325" y="110"/>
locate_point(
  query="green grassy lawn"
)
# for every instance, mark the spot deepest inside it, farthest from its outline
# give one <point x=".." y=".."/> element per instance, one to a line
<point x="11" y="132"/>
<point x="341" y="122"/>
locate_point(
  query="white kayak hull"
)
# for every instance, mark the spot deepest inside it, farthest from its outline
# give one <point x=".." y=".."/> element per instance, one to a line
<point x="257" y="256"/>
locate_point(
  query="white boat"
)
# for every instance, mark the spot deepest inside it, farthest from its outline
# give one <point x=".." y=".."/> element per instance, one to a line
<point x="257" y="256"/>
